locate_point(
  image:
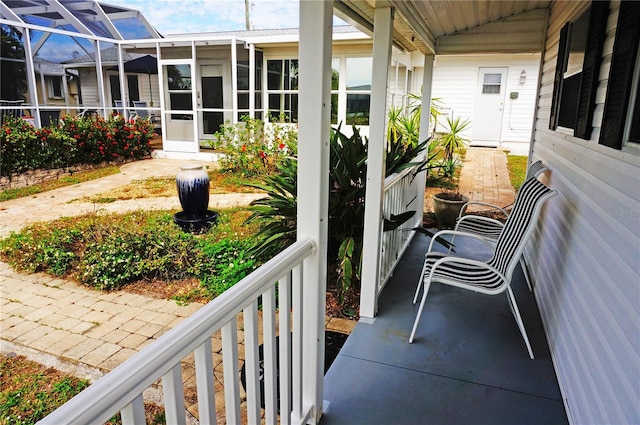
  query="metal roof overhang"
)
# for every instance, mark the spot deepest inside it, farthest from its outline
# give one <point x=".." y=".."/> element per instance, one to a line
<point x="456" y="26"/>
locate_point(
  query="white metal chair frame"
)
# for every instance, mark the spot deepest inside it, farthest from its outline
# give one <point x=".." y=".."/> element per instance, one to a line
<point x="489" y="229"/>
<point x="494" y="276"/>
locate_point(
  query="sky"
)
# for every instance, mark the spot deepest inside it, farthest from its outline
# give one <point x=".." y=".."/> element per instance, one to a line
<point x="185" y="16"/>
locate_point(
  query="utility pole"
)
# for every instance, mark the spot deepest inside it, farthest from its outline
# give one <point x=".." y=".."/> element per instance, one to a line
<point x="247" y="20"/>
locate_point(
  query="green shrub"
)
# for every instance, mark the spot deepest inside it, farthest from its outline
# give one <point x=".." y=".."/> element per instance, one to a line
<point x="276" y="213"/>
<point x="107" y="252"/>
<point x="78" y="140"/>
<point x="253" y="147"/>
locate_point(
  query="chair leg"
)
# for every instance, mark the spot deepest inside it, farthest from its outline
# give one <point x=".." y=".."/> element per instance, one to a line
<point x="420" y="280"/>
<point x="516" y="314"/>
<point x="525" y="271"/>
<point x="424" y="298"/>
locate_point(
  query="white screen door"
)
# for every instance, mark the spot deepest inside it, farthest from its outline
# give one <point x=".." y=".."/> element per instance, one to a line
<point x="179" y="108"/>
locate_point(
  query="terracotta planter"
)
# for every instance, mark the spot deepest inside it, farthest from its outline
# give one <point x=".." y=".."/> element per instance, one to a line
<point x="447" y="206"/>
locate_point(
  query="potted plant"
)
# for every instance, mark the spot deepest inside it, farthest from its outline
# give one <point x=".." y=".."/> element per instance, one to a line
<point x="447" y="206"/>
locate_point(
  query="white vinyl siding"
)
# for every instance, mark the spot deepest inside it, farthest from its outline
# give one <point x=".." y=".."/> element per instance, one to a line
<point x="586" y="254"/>
<point x="455" y="82"/>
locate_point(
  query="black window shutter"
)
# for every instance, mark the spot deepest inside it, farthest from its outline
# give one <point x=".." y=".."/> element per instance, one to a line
<point x="625" y="50"/>
<point x="560" y="68"/>
<point x="591" y="68"/>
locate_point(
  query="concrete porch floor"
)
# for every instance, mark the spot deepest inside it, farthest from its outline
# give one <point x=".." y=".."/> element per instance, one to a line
<point x="467" y="365"/>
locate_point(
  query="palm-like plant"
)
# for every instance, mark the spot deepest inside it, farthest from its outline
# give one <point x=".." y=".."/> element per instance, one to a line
<point x="277" y="211"/>
<point x="452" y="141"/>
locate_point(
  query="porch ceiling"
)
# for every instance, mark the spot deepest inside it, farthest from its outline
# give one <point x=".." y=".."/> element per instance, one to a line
<point x="435" y="27"/>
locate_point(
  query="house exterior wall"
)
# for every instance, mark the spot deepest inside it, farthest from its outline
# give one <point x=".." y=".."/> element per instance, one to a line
<point x="585" y="256"/>
<point x="455" y="83"/>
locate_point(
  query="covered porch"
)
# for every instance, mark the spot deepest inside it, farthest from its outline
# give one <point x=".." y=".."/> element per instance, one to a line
<point x="468" y="363"/>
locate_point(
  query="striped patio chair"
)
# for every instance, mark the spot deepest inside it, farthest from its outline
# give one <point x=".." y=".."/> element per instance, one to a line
<point x="489" y="229"/>
<point x="492" y="277"/>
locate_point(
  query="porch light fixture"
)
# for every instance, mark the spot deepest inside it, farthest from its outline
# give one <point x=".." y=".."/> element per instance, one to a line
<point x="523" y="77"/>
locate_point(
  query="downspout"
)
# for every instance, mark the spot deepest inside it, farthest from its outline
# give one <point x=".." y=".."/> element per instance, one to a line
<point x="234" y="80"/>
<point x="252" y="80"/>
<point x="376" y="156"/>
<point x="31" y="75"/>
<point x="100" y="77"/>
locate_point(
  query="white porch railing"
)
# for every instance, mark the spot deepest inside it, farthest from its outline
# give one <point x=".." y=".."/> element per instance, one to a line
<point x="401" y="192"/>
<point x="275" y="289"/>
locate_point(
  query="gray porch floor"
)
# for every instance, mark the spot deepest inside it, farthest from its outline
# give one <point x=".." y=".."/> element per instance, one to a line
<point x="467" y="365"/>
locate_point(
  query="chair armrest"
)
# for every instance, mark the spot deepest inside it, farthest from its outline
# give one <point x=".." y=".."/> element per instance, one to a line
<point x="454" y="233"/>
<point x="484" y="204"/>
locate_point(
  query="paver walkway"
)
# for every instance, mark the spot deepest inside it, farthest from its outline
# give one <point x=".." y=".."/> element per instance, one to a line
<point x="484" y="178"/>
<point x="88" y="332"/>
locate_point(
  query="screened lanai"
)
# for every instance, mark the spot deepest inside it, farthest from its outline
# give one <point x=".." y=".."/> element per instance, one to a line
<point x="69" y="58"/>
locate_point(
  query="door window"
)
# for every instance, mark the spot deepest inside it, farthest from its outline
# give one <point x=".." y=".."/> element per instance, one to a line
<point x="180" y="91"/>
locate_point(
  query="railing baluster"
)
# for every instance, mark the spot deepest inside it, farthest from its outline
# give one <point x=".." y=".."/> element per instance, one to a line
<point x="173" y="396"/>
<point x="269" y="353"/>
<point x="133" y="413"/>
<point x="230" y="366"/>
<point x="162" y="359"/>
<point x="297" y="292"/>
<point x="252" y="361"/>
<point x="204" y="383"/>
<point x="285" y="364"/>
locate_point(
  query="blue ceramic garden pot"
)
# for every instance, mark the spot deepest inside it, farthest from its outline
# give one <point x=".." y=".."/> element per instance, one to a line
<point x="193" y="189"/>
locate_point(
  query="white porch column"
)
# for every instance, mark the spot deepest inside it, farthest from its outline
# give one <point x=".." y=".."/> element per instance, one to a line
<point x="313" y="188"/>
<point x="372" y="241"/>
<point x="425" y="131"/>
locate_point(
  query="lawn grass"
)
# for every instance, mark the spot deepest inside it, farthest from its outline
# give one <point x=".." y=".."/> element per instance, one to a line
<point x="30" y="391"/>
<point x="220" y="182"/>
<point x="78" y="177"/>
<point x="517" y="165"/>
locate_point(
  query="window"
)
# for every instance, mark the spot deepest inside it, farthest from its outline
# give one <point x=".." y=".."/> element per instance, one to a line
<point x="54" y="86"/>
<point x="179" y="85"/>
<point x="282" y="87"/>
<point x="621" y="116"/>
<point x="242" y="67"/>
<point x="576" y="78"/>
<point x="358" y="80"/>
<point x="491" y="84"/>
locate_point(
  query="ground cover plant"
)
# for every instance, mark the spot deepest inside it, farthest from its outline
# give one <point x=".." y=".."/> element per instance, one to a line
<point x="77" y="140"/>
<point x="110" y="251"/>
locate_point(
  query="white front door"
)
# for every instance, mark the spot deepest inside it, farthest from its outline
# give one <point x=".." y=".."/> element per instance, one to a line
<point x="487" y="117"/>
<point x="179" y="98"/>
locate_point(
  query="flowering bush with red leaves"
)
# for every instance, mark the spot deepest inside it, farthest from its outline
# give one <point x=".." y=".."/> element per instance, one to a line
<point x="78" y="140"/>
